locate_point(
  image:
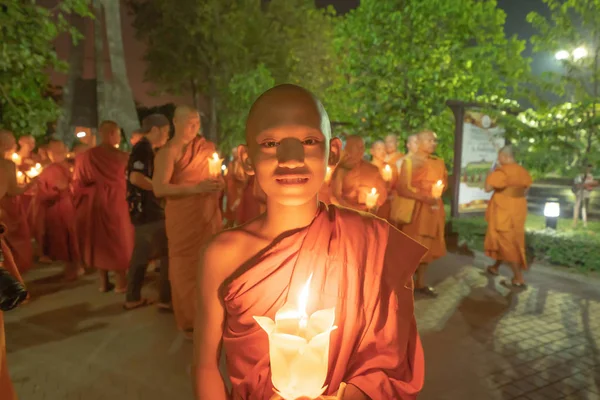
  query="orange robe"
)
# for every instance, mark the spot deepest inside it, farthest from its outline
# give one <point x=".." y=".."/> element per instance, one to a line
<point x="325" y="193"/>
<point x="56" y="209"/>
<point x="101" y="209"/>
<point x="252" y="202"/>
<point x="235" y="181"/>
<point x="506" y="214"/>
<point x="393" y="158"/>
<point x="191" y="221"/>
<point x="361" y="179"/>
<point x="361" y="266"/>
<point x="7" y="391"/>
<point x="18" y="235"/>
<point x="428" y="222"/>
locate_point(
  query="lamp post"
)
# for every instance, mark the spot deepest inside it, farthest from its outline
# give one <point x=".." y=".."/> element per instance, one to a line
<point x="552" y="212"/>
<point x="575" y="55"/>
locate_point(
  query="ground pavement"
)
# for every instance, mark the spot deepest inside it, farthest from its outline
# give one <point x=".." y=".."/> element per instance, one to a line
<point x="482" y="341"/>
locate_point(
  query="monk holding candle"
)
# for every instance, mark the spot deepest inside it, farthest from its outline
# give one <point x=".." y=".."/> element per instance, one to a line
<point x="506" y="215"/>
<point x="425" y="185"/>
<point x="56" y="212"/>
<point x="355" y="178"/>
<point x="357" y="264"/>
<point x="102" y="212"/>
<point x="192" y="212"/>
<point x="18" y="235"/>
<point x="388" y="172"/>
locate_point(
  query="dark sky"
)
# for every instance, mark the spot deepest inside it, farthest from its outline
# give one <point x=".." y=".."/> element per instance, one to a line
<point x="516" y="11"/>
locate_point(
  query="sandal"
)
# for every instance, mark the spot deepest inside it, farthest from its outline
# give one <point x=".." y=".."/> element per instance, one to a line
<point x="514" y="285"/>
<point x="140" y="304"/>
<point x="121" y="290"/>
<point x="427" y="291"/>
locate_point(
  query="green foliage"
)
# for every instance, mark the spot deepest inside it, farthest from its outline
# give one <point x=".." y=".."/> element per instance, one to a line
<point x="574" y="27"/>
<point x="212" y="46"/>
<point x="403" y="59"/>
<point x="27" y="33"/>
<point x="568" y="248"/>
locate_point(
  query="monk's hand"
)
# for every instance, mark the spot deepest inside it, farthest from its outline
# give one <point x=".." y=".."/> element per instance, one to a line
<point x="208" y="186"/>
<point x="432" y="201"/>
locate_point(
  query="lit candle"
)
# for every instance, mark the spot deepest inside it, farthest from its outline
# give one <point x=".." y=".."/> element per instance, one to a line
<point x="299" y="348"/>
<point x="16" y="158"/>
<point x="328" y="174"/>
<point x="437" y="189"/>
<point x="38" y="166"/>
<point x="20" y="178"/>
<point x="387" y="173"/>
<point x="33" y="172"/>
<point x="214" y="165"/>
<point x="372" y="197"/>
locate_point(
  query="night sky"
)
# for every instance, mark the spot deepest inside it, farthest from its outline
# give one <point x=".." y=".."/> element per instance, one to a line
<point x="516" y="11"/>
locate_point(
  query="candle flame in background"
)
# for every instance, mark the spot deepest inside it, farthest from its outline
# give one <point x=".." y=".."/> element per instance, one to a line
<point x="387" y="167"/>
<point x="15" y="157"/>
<point x="19" y="174"/>
<point x="224" y="167"/>
<point x="373" y="191"/>
<point x="439" y="183"/>
<point x="81" y="134"/>
<point x="215" y="157"/>
<point x="38" y="166"/>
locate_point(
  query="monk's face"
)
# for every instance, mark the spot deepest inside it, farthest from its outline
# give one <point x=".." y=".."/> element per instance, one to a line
<point x="391" y="144"/>
<point x="353" y="152"/>
<point x="427" y="142"/>
<point x="26" y="144"/>
<point x="57" y="152"/>
<point x="158" y="136"/>
<point x="287" y="149"/>
<point x="188" y="125"/>
<point x="378" y="151"/>
<point x="412" y="145"/>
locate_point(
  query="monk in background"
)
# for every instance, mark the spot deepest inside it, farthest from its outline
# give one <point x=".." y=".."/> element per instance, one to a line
<point x="412" y="146"/>
<point x="26" y="155"/>
<point x="354" y="178"/>
<point x="18" y="235"/>
<point x="102" y="213"/>
<point x="7" y="171"/>
<point x="428" y="218"/>
<point x="253" y="202"/>
<point x="378" y="154"/>
<point x="506" y="215"/>
<point x="392" y="155"/>
<point x="359" y="264"/>
<point x="235" y="182"/>
<point x="54" y="199"/>
<point x="193" y="216"/>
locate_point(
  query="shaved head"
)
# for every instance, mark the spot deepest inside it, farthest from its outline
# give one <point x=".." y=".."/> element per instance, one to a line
<point x="286" y="104"/>
<point x="412" y="144"/>
<point x="391" y="144"/>
<point x="378" y="150"/>
<point x="508" y="151"/>
<point x="506" y="155"/>
<point x="27" y="140"/>
<point x="181" y="112"/>
<point x="7" y="141"/>
<point x="186" y="121"/>
<point x="427" y="141"/>
<point x="110" y="132"/>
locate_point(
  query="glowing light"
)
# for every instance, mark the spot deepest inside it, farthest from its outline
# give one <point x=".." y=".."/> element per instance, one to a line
<point x="579" y="53"/>
<point x="81" y="134"/>
<point x="561" y="55"/>
<point x="552" y="209"/>
<point x="303" y="302"/>
<point x="223" y="167"/>
<point x="38" y="166"/>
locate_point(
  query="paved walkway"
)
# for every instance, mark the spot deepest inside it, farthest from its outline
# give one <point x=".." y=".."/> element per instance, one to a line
<point x="482" y="341"/>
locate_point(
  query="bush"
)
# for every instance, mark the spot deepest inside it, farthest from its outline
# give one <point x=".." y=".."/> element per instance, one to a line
<point x="569" y="249"/>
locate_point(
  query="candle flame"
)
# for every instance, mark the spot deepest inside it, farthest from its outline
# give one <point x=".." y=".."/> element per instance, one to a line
<point x="19" y="174"/>
<point x="215" y="157"/>
<point x="38" y="166"/>
<point x="387" y="167"/>
<point x="439" y="183"/>
<point x="15" y="157"/>
<point x="373" y="191"/>
<point x="303" y="298"/>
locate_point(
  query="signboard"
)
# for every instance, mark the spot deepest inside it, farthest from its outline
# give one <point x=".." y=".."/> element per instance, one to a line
<point x="482" y="138"/>
<point x="477" y="139"/>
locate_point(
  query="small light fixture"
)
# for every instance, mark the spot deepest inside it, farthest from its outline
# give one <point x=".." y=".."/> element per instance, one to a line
<point x="81" y="134"/>
<point x="562" y="55"/>
<point x="552" y="212"/>
<point x="579" y="53"/>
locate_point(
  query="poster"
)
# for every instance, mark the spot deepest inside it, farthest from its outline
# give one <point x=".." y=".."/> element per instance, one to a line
<point x="482" y="138"/>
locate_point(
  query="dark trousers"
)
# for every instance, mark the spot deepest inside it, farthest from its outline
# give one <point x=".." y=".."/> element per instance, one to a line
<point x="150" y="243"/>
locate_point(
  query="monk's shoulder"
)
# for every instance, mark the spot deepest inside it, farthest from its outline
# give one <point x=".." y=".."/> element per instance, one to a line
<point x="353" y="221"/>
<point x="218" y="251"/>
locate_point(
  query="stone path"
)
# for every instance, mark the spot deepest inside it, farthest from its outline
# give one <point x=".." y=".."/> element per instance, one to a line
<point x="482" y="340"/>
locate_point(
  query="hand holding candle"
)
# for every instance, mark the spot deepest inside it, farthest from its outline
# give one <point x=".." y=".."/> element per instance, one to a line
<point x="386" y="173"/>
<point x="214" y="166"/>
<point x="372" y="197"/>
<point x="16" y="158"/>
<point x="437" y="189"/>
<point x="299" y="348"/>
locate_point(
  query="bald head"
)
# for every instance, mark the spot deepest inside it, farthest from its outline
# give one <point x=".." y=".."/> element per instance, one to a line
<point x="27" y="140"/>
<point x="391" y="144"/>
<point x="183" y="111"/>
<point x="427" y="141"/>
<point x="286" y="105"/>
<point x="7" y="141"/>
<point x="354" y="150"/>
<point x="110" y="132"/>
<point x="506" y="155"/>
<point x="186" y="121"/>
<point x="378" y="150"/>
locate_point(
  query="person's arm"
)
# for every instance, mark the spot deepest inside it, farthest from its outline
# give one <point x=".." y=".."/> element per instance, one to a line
<point x="495" y="180"/>
<point x="140" y="180"/>
<point x="208" y="325"/>
<point x="403" y="188"/>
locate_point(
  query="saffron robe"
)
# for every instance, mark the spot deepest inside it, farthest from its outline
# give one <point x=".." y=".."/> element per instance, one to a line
<point x="360" y="180"/>
<point x="506" y="214"/>
<point x="7" y="391"/>
<point x="252" y="203"/>
<point x="235" y="181"/>
<point x="101" y="210"/>
<point x="190" y="221"/>
<point x="428" y="222"/>
<point x="392" y="159"/>
<point x="54" y="201"/>
<point x="18" y="235"/>
<point x="360" y="265"/>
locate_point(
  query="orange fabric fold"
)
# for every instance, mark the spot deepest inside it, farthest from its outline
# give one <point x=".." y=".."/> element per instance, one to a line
<point x="54" y="203"/>
<point x="102" y="213"/>
<point x="361" y="266"/>
<point x="506" y="214"/>
<point x="7" y="391"/>
<point x="428" y="222"/>
<point x="190" y="221"/>
<point x="18" y="235"/>
<point x="251" y="205"/>
<point x="235" y="181"/>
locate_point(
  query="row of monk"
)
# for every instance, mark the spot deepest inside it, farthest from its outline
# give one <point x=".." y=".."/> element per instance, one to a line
<point x="280" y="234"/>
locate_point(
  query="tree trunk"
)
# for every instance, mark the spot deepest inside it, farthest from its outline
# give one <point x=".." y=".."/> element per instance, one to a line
<point x="213" y="126"/>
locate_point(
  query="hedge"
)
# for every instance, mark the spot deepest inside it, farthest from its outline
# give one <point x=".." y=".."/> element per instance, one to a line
<point x="574" y="249"/>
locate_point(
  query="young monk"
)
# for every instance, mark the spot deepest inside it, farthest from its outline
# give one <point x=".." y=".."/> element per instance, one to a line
<point x="253" y="201"/>
<point x="102" y="213"/>
<point x="193" y="215"/>
<point x="359" y="264"/>
<point x="378" y="153"/>
<point x="355" y="177"/>
<point x="54" y="200"/>
<point x="428" y="219"/>
<point x="18" y="235"/>
<point x="506" y="215"/>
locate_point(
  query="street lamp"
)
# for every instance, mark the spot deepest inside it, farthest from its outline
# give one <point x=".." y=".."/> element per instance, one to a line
<point x="552" y="212"/>
<point x="562" y="55"/>
<point x="577" y="54"/>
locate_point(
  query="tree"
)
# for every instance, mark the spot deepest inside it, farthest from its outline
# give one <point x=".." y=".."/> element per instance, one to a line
<point x="27" y="33"/>
<point x="572" y="33"/>
<point x="210" y="47"/>
<point x="404" y="58"/>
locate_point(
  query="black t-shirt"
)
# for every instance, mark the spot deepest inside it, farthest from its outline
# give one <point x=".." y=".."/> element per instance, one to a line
<point x="144" y="207"/>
